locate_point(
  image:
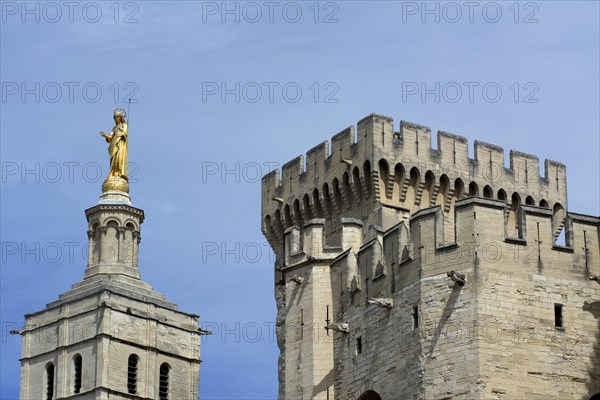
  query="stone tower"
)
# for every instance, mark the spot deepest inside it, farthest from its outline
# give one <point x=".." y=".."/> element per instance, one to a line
<point x="407" y="272"/>
<point x="111" y="336"/>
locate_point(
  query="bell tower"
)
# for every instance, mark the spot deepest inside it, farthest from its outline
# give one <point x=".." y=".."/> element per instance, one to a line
<point x="111" y="336"/>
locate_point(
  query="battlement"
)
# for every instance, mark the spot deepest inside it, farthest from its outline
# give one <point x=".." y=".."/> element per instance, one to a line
<point x="411" y="143"/>
<point x="375" y="164"/>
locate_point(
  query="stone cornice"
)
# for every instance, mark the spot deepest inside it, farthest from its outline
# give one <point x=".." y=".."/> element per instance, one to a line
<point x="114" y="208"/>
<point x="114" y="308"/>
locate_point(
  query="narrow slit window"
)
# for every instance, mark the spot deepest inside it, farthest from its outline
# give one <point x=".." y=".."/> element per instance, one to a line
<point x="415" y="316"/>
<point x="558" y="316"/>
<point x="132" y="366"/>
<point x="77" y="370"/>
<point x="358" y="345"/>
<point x="49" y="381"/>
<point x="301" y="324"/>
<point x="163" y="386"/>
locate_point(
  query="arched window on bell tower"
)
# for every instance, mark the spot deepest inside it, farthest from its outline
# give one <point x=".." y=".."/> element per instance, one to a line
<point x="163" y="382"/>
<point x="77" y="373"/>
<point x="49" y="381"/>
<point x="132" y="367"/>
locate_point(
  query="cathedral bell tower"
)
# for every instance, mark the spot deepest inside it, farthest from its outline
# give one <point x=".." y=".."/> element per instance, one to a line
<point x="111" y="336"/>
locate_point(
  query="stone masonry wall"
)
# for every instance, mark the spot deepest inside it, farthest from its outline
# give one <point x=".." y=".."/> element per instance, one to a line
<point x="105" y="329"/>
<point x="385" y="217"/>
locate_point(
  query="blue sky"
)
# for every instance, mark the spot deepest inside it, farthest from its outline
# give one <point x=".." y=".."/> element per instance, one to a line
<point x="196" y="152"/>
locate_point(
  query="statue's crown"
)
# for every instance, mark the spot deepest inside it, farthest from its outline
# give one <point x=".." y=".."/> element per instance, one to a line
<point x="121" y="111"/>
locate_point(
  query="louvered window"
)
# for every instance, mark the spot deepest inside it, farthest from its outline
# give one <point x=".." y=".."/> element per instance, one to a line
<point x="163" y="385"/>
<point x="49" y="381"/>
<point x="77" y="368"/>
<point x="132" y="368"/>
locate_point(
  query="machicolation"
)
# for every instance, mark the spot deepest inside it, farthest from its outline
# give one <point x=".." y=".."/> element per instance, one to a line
<point x="400" y="169"/>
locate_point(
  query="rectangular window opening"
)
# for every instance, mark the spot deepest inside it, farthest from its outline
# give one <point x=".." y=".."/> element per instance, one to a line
<point x="558" y="316"/>
<point x="358" y="345"/>
<point x="415" y="316"/>
<point x="301" y="324"/>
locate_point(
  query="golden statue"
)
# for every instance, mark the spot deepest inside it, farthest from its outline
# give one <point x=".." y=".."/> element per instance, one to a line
<point x="117" y="150"/>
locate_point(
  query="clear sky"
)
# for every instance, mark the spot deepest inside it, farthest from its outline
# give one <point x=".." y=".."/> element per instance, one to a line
<point x="222" y="92"/>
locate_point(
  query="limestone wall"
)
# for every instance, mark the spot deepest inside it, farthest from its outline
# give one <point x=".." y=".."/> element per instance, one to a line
<point x="494" y="337"/>
<point x="389" y="218"/>
<point x="400" y="169"/>
<point x="105" y="329"/>
<point x="466" y="341"/>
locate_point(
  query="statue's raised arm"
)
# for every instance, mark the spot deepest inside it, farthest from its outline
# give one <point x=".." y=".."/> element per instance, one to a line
<point x="117" y="150"/>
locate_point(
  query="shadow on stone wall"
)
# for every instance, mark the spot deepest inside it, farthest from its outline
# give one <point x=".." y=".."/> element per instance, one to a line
<point x="447" y="313"/>
<point x="594" y="371"/>
<point x="325" y="383"/>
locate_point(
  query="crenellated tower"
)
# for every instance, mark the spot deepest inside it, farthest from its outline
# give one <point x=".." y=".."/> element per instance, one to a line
<point x="395" y="263"/>
<point x="111" y="336"/>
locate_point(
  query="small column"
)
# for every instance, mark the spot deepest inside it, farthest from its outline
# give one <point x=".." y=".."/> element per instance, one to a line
<point x="102" y="252"/>
<point x="136" y="239"/>
<point x="120" y="244"/>
<point x="92" y="246"/>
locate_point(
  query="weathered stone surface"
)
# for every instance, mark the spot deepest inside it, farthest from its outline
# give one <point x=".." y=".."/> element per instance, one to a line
<point x="108" y="316"/>
<point x="495" y="337"/>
